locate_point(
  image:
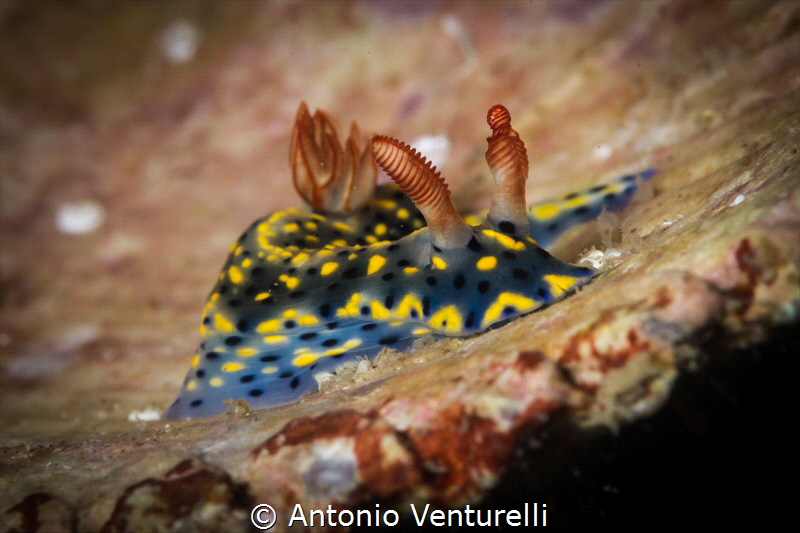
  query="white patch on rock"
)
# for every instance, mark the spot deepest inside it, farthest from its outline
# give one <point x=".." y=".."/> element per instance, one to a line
<point x="179" y="41"/>
<point x="435" y="148"/>
<point x="603" y="151"/>
<point x="145" y="415"/>
<point x="80" y="218"/>
<point x="739" y="199"/>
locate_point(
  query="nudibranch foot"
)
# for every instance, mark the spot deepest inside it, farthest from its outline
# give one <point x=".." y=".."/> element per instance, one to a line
<point x="548" y="220"/>
<point x="304" y="292"/>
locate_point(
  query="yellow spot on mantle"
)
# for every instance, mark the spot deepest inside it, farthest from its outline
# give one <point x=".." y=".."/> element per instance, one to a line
<point x="299" y="258"/>
<point x="232" y="367"/>
<point x="351" y="343"/>
<point x="347" y="346"/>
<point x="328" y="268"/>
<point x="341" y="226"/>
<point x="351" y="308"/>
<point x="578" y="201"/>
<point x="376" y="262"/>
<point x="486" y="263"/>
<point x="379" y="311"/>
<point x="222" y="324"/>
<point x="559" y="284"/>
<point x="235" y="274"/>
<point x="269" y="326"/>
<point x="447" y="319"/>
<point x="505" y="240"/>
<point x="519" y="302"/>
<point x="409" y="302"/>
<point x="308" y="320"/>
<point x="275" y="339"/>
<point x="305" y="359"/>
<point x="290" y="281"/>
<point x="216" y="382"/>
<point x="546" y="211"/>
<point x="438" y="262"/>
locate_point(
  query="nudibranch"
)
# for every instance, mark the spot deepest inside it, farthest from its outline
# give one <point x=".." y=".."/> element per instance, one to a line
<point x="368" y="267"/>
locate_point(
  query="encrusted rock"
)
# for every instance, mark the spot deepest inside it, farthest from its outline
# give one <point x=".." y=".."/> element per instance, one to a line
<point x="193" y="496"/>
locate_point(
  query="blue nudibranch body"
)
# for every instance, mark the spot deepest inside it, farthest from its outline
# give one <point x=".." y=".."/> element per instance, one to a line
<point x="370" y="267"/>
